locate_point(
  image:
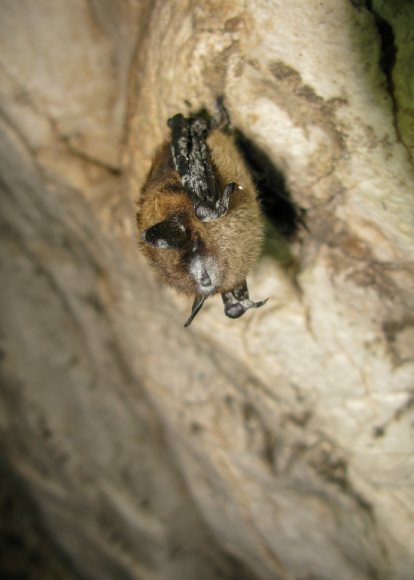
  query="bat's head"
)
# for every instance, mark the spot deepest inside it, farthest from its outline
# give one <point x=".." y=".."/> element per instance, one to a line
<point x="178" y="247"/>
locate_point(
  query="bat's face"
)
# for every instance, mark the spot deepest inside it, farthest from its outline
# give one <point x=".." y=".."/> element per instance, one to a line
<point x="179" y="248"/>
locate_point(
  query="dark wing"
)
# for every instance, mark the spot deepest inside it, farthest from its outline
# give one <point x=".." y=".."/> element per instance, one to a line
<point x="192" y="161"/>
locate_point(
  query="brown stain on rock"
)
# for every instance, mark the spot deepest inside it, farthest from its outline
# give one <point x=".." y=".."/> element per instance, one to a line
<point x="304" y="106"/>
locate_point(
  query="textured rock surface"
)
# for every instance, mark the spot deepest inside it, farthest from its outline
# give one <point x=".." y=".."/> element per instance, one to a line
<point x="276" y="446"/>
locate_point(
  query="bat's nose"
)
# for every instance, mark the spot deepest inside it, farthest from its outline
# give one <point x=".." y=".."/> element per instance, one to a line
<point x="204" y="271"/>
<point x="205" y="280"/>
<point x="206" y="284"/>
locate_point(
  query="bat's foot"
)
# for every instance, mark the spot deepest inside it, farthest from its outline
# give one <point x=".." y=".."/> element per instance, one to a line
<point x="222" y="118"/>
<point x="237" y="301"/>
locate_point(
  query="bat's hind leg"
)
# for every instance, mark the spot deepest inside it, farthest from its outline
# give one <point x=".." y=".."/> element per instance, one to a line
<point x="221" y="119"/>
<point x="237" y="301"/>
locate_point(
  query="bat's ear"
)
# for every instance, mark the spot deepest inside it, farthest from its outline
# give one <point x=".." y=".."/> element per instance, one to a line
<point x="170" y="233"/>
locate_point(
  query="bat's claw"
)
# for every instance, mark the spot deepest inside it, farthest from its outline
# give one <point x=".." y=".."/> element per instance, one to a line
<point x="236" y="309"/>
<point x="197" y="305"/>
<point x="237" y="301"/>
<point x="208" y="214"/>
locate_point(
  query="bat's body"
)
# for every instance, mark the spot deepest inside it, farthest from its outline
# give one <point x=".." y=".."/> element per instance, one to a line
<point x="199" y="217"/>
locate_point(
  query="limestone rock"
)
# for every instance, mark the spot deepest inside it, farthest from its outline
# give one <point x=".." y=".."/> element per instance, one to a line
<point x="279" y="445"/>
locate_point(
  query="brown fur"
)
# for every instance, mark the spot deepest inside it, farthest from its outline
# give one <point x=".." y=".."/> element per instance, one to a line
<point x="234" y="240"/>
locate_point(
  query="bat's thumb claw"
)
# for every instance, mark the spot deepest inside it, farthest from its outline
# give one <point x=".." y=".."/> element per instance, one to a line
<point x="235" y="309"/>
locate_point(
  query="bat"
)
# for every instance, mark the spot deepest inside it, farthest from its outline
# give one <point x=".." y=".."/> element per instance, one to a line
<point x="198" y="217"/>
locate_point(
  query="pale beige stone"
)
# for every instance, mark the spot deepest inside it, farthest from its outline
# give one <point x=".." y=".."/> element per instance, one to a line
<point x="279" y="445"/>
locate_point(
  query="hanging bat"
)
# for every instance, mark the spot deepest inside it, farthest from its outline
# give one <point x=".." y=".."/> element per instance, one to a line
<point x="198" y="216"/>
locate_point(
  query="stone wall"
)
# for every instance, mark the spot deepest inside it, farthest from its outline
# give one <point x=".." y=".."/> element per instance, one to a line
<point x="275" y="446"/>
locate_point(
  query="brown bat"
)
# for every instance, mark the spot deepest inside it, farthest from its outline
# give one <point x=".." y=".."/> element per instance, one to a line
<point x="198" y="216"/>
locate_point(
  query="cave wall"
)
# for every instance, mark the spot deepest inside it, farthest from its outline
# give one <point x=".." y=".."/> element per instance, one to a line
<point x="279" y="445"/>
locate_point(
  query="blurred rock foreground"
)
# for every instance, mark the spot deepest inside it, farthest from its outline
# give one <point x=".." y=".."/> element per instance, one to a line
<point x="276" y="446"/>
